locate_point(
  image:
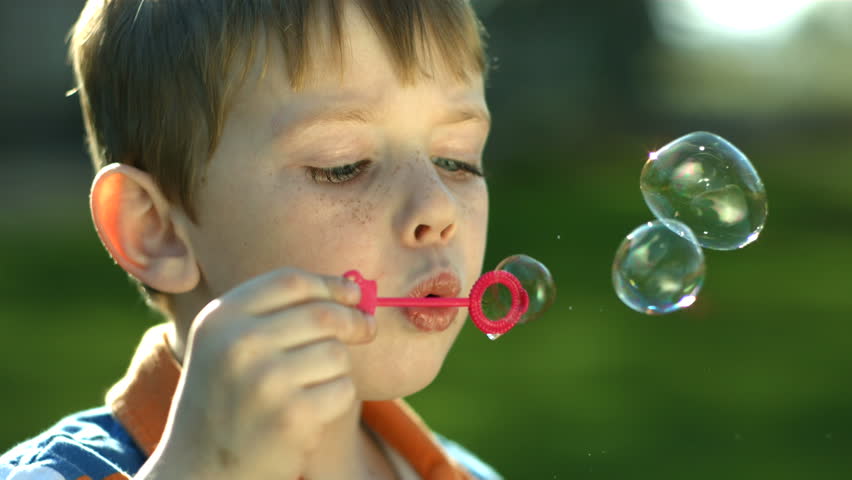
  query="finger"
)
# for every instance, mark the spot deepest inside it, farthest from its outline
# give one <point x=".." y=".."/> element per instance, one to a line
<point x="317" y="362"/>
<point x="302" y="415"/>
<point x="313" y="321"/>
<point x="289" y="286"/>
<point x="273" y="335"/>
<point x="327" y="400"/>
<point x="270" y="382"/>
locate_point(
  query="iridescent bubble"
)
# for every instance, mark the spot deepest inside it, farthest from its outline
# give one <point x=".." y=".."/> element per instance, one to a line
<point x="496" y="302"/>
<point x="535" y="278"/>
<point x="707" y="183"/>
<point x="658" y="268"/>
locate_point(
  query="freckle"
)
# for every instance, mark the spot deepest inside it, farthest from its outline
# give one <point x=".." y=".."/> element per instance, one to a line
<point x="383" y="188"/>
<point x="226" y="457"/>
<point x="368" y="213"/>
<point x="360" y="211"/>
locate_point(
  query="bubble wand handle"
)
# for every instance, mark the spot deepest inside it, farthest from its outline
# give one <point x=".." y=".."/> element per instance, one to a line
<point x="422" y="302"/>
<point x="520" y="300"/>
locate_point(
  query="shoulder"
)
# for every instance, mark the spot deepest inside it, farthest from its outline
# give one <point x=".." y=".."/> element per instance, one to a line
<point x="88" y="445"/>
<point x="479" y="469"/>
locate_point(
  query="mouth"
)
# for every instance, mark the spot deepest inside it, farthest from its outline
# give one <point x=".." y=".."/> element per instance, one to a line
<point x="434" y="319"/>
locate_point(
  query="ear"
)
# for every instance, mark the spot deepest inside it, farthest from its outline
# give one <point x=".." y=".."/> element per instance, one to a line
<point x="136" y="225"/>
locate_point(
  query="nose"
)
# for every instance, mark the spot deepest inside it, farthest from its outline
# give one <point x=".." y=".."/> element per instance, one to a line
<point x="429" y="216"/>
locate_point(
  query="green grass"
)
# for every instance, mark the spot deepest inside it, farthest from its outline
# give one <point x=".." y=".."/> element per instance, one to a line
<point x="751" y="382"/>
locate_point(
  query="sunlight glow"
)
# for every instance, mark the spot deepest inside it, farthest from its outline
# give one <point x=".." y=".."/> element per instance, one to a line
<point x="686" y="301"/>
<point x="749" y="16"/>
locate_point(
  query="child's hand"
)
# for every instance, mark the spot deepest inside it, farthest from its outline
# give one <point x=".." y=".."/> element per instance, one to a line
<point x="265" y="369"/>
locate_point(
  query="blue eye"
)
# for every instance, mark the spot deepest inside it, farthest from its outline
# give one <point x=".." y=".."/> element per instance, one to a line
<point x="451" y="165"/>
<point x="341" y="174"/>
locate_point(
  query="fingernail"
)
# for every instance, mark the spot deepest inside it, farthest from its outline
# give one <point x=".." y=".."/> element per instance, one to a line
<point x="371" y="323"/>
<point x="352" y="288"/>
<point x="354" y="292"/>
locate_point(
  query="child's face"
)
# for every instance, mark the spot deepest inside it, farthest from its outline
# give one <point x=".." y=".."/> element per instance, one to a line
<point x="398" y="222"/>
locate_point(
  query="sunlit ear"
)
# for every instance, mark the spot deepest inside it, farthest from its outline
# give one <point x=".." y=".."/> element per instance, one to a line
<point x="132" y="219"/>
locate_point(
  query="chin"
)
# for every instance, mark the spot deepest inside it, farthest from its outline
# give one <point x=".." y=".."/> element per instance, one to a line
<point x="395" y="380"/>
<point x="400" y="361"/>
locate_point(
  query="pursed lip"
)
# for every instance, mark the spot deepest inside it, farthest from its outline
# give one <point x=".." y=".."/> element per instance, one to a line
<point x="443" y="283"/>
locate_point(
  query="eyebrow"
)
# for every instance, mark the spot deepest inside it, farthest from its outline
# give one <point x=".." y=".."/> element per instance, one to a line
<point x="467" y="113"/>
<point x="362" y="115"/>
<point x="280" y="127"/>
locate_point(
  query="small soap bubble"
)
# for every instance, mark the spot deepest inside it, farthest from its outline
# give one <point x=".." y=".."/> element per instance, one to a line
<point x="535" y="278"/>
<point x="496" y="302"/>
<point x="658" y="268"/>
<point x="704" y="181"/>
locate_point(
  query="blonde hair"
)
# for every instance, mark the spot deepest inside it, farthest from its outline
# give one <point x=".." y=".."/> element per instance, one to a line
<point x="154" y="77"/>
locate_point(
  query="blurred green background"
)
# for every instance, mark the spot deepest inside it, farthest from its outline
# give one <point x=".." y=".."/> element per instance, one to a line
<point x="753" y="381"/>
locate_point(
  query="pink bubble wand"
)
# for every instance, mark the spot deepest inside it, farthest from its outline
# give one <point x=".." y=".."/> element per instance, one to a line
<point x="492" y="328"/>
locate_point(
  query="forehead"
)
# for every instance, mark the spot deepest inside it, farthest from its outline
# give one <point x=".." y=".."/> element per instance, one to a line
<point x="361" y="68"/>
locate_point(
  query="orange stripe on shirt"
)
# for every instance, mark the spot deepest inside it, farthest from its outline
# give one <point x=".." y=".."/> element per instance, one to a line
<point x="114" y="476"/>
<point x="405" y="431"/>
<point x="117" y="476"/>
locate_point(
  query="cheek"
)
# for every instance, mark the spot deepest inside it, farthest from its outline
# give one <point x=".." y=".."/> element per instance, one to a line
<point x="475" y="211"/>
<point x="229" y="228"/>
<point x="316" y="231"/>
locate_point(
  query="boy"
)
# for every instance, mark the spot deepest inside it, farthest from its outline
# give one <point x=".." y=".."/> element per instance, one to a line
<point x="248" y="153"/>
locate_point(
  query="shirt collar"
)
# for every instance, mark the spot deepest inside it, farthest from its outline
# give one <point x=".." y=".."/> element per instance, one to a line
<point x="141" y="401"/>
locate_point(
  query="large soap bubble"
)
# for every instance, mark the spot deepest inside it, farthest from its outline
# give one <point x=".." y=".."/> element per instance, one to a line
<point x="659" y="268"/>
<point x="705" y="182"/>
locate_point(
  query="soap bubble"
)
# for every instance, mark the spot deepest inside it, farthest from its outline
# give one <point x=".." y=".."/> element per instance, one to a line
<point x="535" y="278"/>
<point x="658" y="268"/>
<point x="705" y="182"/>
<point x="496" y="302"/>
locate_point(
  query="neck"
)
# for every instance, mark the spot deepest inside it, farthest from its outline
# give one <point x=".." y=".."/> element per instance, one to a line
<point x="342" y="452"/>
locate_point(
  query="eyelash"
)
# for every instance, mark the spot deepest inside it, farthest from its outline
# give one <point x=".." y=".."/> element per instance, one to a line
<point x="341" y="174"/>
<point x="345" y="173"/>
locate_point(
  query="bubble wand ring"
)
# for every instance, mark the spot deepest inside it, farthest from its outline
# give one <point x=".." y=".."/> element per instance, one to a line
<point x="520" y="300"/>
